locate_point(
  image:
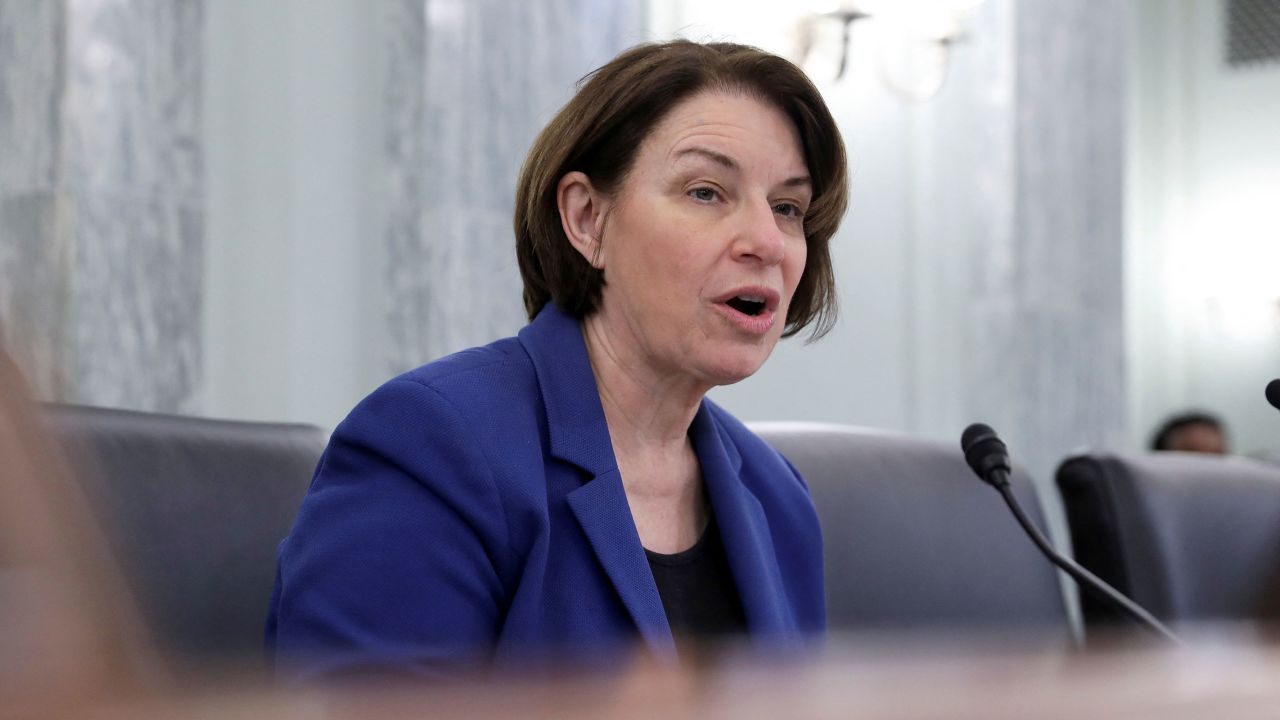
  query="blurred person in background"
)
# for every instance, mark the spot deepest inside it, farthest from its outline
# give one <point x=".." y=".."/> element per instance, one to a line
<point x="70" y="636"/>
<point x="1196" y="431"/>
<point x="569" y="494"/>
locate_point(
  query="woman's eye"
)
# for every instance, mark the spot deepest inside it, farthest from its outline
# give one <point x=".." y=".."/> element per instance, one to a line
<point x="789" y="210"/>
<point x="703" y="194"/>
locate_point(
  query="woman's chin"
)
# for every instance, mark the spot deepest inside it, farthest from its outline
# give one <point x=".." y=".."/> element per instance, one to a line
<point x="734" y="369"/>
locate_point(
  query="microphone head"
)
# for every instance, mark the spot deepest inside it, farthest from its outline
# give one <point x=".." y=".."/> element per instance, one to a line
<point x="984" y="451"/>
<point x="1273" y="393"/>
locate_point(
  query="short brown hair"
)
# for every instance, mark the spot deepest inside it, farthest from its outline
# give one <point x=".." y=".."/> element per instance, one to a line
<point x="600" y="130"/>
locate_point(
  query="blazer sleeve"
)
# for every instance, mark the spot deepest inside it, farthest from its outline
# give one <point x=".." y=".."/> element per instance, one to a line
<point x="395" y="559"/>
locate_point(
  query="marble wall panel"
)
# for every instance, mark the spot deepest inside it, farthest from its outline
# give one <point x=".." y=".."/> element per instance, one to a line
<point x="493" y="74"/>
<point x="1017" y="248"/>
<point x="133" y="178"/>
<point x="101" y="232"/>
<point x="133" y="93"/>
<point x="31" y="54"/>
<point x="1061" y="359"/>
<point x="137" y="268"/>
<point x="404" y="176"/>
<point x="32" y="253"/>
<point x="962" y="219"/>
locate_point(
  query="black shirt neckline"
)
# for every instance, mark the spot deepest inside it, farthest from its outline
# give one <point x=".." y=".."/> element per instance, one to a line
<point x="687" y="556"/>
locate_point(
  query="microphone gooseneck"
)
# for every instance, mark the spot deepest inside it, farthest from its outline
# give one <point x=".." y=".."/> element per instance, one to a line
<point x="1273" y="393"/>
<point x="988" y="457"/>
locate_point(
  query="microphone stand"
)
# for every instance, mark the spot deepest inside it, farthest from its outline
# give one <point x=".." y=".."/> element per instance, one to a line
<point x="988" y="457"/>
<point x="1086" y="579"/>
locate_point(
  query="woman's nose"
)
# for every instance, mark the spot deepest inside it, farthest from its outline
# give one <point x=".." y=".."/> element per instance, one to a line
<point x="759" y="238"/>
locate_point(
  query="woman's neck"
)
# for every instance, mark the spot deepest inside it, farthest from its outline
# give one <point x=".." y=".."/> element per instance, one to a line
<point x="647" y="410"/>
<point x="648" y="414"/>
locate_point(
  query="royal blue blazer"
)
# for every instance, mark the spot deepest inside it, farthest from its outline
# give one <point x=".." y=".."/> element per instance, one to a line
<point x="470" y="513"/>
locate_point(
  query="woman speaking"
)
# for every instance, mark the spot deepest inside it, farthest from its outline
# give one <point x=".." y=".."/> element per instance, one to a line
<point x="561" y="496"/>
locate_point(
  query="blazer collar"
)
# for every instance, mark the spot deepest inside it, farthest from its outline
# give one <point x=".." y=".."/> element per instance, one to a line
<point x="578" y="434"/>
<point x="744" y="530"/>
<point x="576" y="427"/>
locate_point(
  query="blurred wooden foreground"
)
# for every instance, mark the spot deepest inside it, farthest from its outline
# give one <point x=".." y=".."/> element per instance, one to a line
<point x="72" y="646"/>
<point x="1213" y="681"/>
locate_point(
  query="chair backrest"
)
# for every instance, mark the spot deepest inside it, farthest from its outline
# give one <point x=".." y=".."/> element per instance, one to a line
<point x="1189" y="537"/>
<point x="194" y="509"/>
<point x="914" y="541"/>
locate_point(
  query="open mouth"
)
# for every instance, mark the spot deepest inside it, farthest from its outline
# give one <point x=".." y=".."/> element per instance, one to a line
<point x="747" y="304"/>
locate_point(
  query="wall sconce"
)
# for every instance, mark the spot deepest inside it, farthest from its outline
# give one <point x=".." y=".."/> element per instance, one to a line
<point x="915" y="38"/>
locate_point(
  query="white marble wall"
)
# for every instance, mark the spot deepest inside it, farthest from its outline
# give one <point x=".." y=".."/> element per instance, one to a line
<point x="1061" y="361"/>
<point x="1017" y="298"/>
<point x="979" y="264"/>
<point x="101" y="231"/>
<point x="470" y="83"/>
<point x="961" y="238"/>
<point x="1017" y="233"/>
<point x="33" y="290"/>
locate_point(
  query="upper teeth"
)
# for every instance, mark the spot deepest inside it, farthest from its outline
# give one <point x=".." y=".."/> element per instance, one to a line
<point x="751" y="298"/>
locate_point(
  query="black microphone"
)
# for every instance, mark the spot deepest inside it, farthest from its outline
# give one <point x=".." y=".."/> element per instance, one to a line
<point x="1273" y="393"/>
<point x="987" y="455"/>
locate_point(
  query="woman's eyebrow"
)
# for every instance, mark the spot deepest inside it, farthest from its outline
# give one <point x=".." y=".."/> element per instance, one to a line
<point x="716" y="157"/>
<point x="732" y="165"/>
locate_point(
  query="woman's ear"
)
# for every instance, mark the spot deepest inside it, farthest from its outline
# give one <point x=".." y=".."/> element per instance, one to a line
<point x="582" y="212"/>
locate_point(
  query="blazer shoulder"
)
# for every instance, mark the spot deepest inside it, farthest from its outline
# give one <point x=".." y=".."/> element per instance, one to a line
<point x="482" y="397"/>
<point x="495" y="371"/>
<point x="505" y="355"/>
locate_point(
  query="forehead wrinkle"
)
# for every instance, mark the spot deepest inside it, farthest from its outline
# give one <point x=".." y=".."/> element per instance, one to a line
<point x="717" y="157"/>
<point x="691" y="140"/>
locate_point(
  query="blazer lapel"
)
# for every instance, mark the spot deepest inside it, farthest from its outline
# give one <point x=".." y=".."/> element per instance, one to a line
<point x="601" y="508"/>
<point x="744" y="531"/>
<point x="578" y="434"/>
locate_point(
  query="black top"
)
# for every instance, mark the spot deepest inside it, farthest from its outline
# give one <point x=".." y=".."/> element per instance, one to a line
<point x="697" y="589"/>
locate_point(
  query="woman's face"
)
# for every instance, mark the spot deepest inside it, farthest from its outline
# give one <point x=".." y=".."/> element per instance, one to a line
<point x="703" y="244"/>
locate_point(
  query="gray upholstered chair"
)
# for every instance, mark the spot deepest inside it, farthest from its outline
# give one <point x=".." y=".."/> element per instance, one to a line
<point x="194" y="509"/>
<point x="913" y="541"/>
<point x="1192" y="538"/>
